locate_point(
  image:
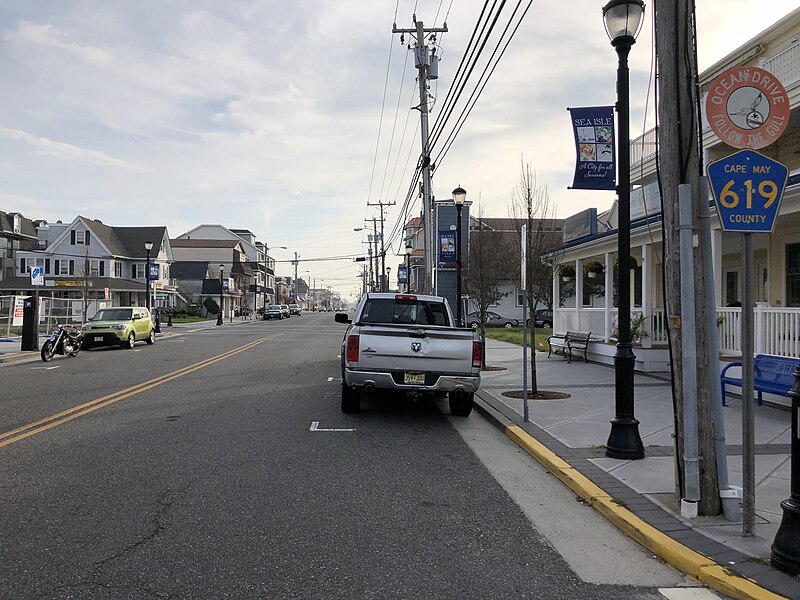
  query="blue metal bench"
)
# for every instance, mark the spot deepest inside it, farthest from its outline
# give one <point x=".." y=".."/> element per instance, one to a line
<point x="772" y="374"/>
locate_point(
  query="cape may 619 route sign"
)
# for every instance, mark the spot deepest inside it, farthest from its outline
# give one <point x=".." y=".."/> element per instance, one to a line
<point x="747" y="188"/>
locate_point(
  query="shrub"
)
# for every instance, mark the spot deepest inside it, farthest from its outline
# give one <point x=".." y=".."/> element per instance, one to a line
<point x="211" y="305"/>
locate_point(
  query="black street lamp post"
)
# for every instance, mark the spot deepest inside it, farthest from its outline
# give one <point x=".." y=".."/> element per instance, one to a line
<point x="623" y="20"/>
<point x="148" y="246"/>
<point x="459" y="195"/>
<point x="409" y="252"/>
<point x="219" y="314"/>
<point x="786" y="546"/>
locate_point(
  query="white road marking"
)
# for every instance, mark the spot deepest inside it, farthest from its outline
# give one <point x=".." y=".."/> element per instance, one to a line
<point x="330" y="379"/>
<point x="315" y="427"/>
<point x="687" y="593"/>
<point x="138" y="350"/>
<point x="45" y="368"/>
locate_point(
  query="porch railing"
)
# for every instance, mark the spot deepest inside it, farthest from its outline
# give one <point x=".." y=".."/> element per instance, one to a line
<point x="653" y="329"/>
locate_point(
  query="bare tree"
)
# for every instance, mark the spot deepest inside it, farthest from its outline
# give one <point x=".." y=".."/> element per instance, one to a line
<point x="83" y="273"/>
<point x="490" y="260"/>
<point x="531" y="206"/>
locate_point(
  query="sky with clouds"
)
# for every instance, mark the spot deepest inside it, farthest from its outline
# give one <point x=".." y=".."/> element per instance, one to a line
<point x="271" y="115"/>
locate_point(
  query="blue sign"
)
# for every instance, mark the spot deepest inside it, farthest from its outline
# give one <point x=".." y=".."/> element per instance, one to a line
<point x="402" y="274"/>
<point x="155" y="271"/>
<point x="594" y="144"/>
<point x="37" y="276"/>
<point x="748" y="188"/>
<point x="225" y="285"/>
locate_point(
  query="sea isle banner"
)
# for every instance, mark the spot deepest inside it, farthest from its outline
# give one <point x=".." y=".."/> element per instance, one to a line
<point x="594" y="144"/>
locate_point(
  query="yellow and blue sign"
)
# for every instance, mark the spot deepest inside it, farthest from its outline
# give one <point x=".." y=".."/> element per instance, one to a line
<point x="748" y="188"/>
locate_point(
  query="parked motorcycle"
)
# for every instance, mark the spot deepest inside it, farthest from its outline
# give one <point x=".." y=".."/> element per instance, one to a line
<point x="64" y="341"/>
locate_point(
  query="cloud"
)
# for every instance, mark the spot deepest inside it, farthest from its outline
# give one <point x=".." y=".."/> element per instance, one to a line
<point x="47" y="147"/>
<point x="50" y="36"/>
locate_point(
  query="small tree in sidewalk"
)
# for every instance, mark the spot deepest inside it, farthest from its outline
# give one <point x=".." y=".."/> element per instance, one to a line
<point x="490" y="261"/>
<point x="531" y="206"/>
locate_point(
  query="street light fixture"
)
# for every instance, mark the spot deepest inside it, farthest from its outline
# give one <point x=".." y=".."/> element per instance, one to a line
<point x="148" y="246"/>
<point x="219" y="314"/>
<point x="623" y="21"/>
<point x="409" y="252"/>
<point x="459" y="195"/>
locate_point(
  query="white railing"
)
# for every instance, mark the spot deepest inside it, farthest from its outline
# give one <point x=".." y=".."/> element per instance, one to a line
<point x="785" y="65"/>
<point x="729" y="329"/>
<point x="643" y="147"/>
<point x="594" y="320"/>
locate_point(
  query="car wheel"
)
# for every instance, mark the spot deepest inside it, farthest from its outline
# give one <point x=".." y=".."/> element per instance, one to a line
<point x="547" y="324"/>
<point x="461" y="406"/>
<point x="351" y="399"/>
<point x="508" y="325"/>
<point x="131" y="341"/>
<point x="151" y="339"/>
<point x="474" y="325"/>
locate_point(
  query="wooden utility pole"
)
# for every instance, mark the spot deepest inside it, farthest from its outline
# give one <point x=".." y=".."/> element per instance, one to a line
<point x="384" y="281"/>
<point x="679" y="163"/>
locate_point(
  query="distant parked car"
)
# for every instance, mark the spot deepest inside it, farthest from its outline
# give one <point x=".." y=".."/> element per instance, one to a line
<point x="543" y="318"/>
<point x="295" y="309"/>
<point x="285" y="309"/>
<point x="273" y="311"/>
<point x="492" y="320"/>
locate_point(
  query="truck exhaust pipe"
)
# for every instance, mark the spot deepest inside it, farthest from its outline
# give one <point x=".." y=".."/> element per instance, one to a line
<point x="369" y="388"/>
<point x="458" y="392"/>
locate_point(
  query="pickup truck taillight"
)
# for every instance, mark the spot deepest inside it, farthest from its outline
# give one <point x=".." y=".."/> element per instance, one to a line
<point x="477" y="354"/>
<point x="352" y="349"/>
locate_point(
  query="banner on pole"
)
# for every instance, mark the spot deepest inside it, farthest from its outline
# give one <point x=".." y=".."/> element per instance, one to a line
<point x="447" y="249"/>
<point x="523" y="252"/>
<point x="594" y="145"/>
<point x="402" y="274"/>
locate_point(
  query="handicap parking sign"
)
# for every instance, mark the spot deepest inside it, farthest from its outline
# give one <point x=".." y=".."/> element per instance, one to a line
<point x="37" y="276"/>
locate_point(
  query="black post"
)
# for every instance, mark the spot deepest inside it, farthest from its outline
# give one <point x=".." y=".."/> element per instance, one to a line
<point x="786" y="547"/>
<point x="458" y="265"/>
<point x="219" y="314"/>
<point x="408" y="272"/>
<point x="624" y="441"/>
<point x="147" y="275"/>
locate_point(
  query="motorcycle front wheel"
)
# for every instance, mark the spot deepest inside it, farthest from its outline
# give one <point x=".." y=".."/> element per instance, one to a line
<point x="48" y="351"/>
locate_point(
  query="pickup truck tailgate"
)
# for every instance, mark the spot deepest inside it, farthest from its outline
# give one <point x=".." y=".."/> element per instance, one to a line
<point x="432" y="349"/>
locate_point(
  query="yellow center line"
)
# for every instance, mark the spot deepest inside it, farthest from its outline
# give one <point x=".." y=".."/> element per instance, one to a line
<point x="77" y="411"/>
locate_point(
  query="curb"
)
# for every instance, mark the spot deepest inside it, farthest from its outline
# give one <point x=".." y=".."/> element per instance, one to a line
<point x="672" y="552"/>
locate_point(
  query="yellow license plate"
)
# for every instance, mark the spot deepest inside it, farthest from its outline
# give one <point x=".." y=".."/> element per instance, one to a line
<point x="414" y="378"/>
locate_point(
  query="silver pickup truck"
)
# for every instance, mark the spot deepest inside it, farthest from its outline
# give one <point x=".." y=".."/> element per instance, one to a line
<point x="407" y="343"/>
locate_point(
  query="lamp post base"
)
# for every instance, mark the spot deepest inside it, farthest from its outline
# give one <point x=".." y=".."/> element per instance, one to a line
<point x="219" y="319"/>
<point x="624" y="441"/>
<point x="786" y="547"/>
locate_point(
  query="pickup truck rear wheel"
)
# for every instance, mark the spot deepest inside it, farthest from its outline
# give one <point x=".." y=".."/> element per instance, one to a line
<point x="461" y="406"/>
<point x="351" y="399"/>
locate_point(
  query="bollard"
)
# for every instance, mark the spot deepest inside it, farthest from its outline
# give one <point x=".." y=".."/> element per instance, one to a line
<point x="786" y="547"/>
<point x="158" y="321"/>
<point x="169" y="318"/>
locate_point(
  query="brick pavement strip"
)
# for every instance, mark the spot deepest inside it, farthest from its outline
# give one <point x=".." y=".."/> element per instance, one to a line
<point x="652" y="536"/>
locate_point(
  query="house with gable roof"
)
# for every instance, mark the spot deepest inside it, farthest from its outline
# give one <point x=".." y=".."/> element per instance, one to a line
<point x="85" y="257"/>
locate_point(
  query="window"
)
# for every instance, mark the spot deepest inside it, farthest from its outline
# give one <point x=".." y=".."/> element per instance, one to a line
<point x="137" y="271"/>
<point x="404" y="312"/>
<point x="732" y="288"/>
<point x="94" y="268"/>
<point x="63" y="268"/>
<point x="117" y="269"/>
<point x="82" y="237"/>
<point x="793" y="274"/>
<point x="520" y="297"/>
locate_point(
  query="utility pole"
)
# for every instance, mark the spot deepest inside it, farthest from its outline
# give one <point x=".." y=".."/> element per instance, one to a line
<point x="369" y="251"/>
<point x="426" y="63"/>
<point x="378" y="286"/>
<point x="383" y="248"/>
<point x="678" y="140"/>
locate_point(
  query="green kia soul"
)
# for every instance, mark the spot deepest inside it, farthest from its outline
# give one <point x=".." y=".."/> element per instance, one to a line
<point x="120" y="326"/>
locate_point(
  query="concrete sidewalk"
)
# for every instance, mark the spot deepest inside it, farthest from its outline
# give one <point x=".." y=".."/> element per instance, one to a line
<point x="576" y="430"/>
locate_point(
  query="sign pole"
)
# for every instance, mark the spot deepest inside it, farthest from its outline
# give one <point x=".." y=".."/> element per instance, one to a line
<point x="748" y="423"/>
<point x="523" y="286"/>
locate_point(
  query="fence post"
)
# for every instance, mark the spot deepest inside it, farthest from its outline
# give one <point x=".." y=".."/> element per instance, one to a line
<point x="760" y="328"/>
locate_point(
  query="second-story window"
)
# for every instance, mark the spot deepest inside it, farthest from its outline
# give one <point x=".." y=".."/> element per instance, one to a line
<point x="117" y="269"/>
<point x="94" y="268"/>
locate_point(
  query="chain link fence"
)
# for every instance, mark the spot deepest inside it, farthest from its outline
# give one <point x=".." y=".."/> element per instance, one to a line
<point x="51" y="311"/>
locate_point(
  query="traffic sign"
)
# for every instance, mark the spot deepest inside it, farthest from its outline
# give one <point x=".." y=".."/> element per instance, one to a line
<point x="37" y="276"/>
<point x="747" y="107"/>
<point x="748" y="188"/>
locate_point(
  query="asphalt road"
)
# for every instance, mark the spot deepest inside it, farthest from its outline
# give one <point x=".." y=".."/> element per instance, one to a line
<point x="193" y="469"/>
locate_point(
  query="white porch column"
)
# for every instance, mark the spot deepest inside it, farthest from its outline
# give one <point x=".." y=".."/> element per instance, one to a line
<point x="647" y="293"/>
<point x="716" y="258"/>
<point x="609" y="291"/>
<point x="556" y="300"/>
<point x="759" y="327"/>
<point x="578" y="294"/>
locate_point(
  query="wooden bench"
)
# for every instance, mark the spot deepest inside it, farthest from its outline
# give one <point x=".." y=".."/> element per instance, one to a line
<point x="572" y="340"/>
<point x="772" y="374"/>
